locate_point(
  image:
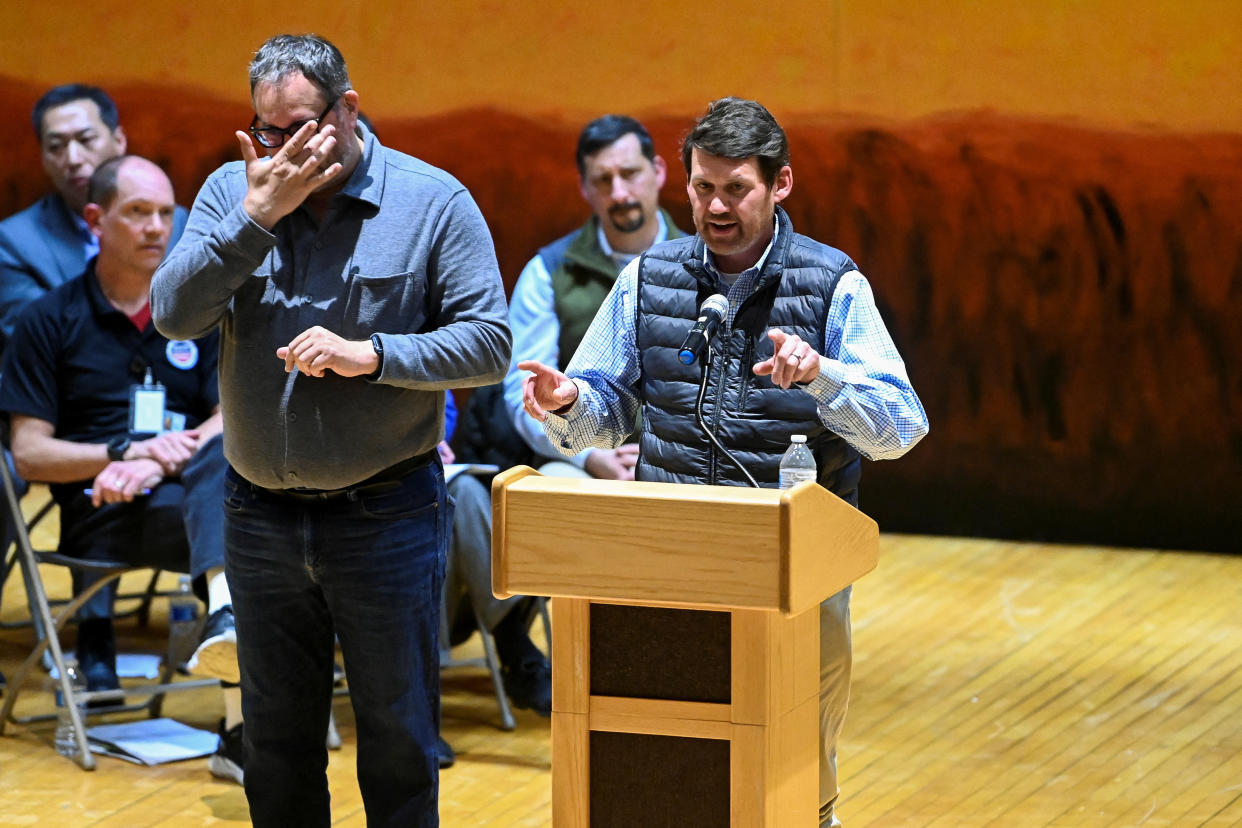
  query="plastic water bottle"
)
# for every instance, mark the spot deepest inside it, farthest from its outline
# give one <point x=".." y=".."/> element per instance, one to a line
<point x="66" y="736"/>
<point x="182" y="622"/>
<point x="798" y="464"/>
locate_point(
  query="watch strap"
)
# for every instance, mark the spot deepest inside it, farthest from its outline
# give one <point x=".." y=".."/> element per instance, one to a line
<point x="378" y="345"/>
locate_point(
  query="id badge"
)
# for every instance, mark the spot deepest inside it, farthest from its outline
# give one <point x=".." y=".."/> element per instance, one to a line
<point x="146" y="408"/>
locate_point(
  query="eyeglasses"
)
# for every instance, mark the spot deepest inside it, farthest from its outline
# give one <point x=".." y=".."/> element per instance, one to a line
<point x="272" y="137"/>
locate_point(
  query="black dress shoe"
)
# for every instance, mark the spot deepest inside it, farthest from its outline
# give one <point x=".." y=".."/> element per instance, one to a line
<point x="229" y="760"/>
<point x="445" y="751"/>
<point x="528" y="685"/>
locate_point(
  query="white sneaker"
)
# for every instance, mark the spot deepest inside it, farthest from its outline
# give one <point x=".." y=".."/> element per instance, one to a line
<point x="216" y="656"/>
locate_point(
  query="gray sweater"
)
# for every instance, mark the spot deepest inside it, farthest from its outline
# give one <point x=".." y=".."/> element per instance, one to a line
<point x="403" y="252"/>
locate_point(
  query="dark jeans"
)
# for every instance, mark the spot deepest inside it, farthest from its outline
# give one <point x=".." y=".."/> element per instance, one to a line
<point x="370" y="569"/>
<point x="178" y="527"/>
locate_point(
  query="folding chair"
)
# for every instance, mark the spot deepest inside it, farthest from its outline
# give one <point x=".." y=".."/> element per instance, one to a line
<point x="13" y="554"/>
<point x="142" y="611"/>
<point x="48" y="627"/>
<point x="490" y="659"/>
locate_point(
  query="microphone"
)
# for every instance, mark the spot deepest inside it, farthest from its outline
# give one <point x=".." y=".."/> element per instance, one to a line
<point x="711" y="314"/>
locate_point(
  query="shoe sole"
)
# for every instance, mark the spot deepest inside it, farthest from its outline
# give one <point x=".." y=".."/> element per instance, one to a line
<point x="216" y="658"/>
<point x="223" y="767"/>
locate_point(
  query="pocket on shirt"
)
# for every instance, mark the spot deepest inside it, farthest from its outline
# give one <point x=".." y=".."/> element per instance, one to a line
<point x="385" y="304"/>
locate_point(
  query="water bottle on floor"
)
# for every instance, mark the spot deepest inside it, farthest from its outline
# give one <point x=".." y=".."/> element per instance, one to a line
<point x="798" y="464"/>
<point x="182" y="623"/>
<point x="66" y="736"/>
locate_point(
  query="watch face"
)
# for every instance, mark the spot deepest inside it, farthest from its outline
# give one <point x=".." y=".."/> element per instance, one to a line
<point x="117" y="447"/>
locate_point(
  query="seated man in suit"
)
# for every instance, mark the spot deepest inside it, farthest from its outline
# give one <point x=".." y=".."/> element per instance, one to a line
<point x="48" y="243"/>
<point x="124" y="425"/>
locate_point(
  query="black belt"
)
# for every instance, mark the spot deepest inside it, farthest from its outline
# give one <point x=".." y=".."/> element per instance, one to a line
<point x="381" y="481"/>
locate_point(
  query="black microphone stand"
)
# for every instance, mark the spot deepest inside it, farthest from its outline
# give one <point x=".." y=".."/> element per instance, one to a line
<point x="698" y="416"/>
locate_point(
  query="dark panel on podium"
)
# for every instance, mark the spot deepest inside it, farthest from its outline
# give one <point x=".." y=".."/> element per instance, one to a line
<point x="660" y="653"/>
<point x="658" y="781"/>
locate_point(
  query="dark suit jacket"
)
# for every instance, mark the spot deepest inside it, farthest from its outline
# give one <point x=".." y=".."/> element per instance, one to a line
<point x="40" y="249"/>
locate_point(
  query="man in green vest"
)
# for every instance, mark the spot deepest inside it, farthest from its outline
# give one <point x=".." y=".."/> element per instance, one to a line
<point x="554" y="301"/>
<point x="562" y="287"/>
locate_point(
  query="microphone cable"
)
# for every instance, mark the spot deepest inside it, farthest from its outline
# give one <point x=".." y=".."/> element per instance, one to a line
<point x="698" y="416"/>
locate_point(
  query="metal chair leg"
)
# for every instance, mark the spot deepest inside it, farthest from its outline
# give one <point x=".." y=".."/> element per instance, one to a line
<point x="47" y="644"/>
<point x="492" y="660"/>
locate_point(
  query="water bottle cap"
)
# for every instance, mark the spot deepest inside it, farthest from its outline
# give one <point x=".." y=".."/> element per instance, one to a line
<point x="798" y="438"/>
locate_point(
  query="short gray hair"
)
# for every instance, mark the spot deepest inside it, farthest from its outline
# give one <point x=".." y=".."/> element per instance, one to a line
<point x="315" y="58"/>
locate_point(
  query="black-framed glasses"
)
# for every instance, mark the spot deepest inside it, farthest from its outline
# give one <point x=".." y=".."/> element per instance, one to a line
<point x="272" y="137"/>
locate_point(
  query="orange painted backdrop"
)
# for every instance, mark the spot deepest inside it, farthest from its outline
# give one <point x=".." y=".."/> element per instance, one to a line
<point x="1112" y="63"/>
<point x="1045" y="197"/>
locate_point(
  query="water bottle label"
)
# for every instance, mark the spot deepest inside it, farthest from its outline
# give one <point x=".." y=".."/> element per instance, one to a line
<point x="792" y="477"/>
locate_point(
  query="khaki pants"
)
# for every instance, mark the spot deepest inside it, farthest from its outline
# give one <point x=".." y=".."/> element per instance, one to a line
<point x="835" y="661"/>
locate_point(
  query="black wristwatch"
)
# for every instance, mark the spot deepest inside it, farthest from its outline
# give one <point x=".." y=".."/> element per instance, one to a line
<point x="378" y="345"/>
<point x="117" y="447"/>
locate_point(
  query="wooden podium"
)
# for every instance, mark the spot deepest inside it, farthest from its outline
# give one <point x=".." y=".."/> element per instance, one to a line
<point x="685" y="648"/>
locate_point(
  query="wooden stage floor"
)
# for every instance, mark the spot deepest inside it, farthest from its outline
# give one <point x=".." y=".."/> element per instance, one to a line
<point x="995" y="684"/>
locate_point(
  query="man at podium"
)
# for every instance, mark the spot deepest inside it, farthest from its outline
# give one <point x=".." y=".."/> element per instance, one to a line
<point x="801" y="349"/>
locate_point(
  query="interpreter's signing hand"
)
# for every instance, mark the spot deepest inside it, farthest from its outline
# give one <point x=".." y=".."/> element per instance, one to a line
<point x="122" y="480"/>
<point x="316" y="350"/>
<point x="546" y="389"/>
<point x="277" y="185"/>
<point x="794" y="360"/>
<point x="172" y="450"/>
<point x="613" y="464"/>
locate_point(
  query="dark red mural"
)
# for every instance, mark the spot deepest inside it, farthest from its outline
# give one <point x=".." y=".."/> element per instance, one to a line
<point x="1062" y="294"/>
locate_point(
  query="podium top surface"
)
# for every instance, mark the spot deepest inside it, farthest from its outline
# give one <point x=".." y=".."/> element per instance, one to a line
<point x="723" y="547"/>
